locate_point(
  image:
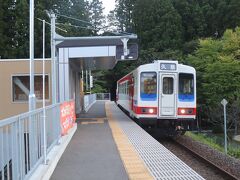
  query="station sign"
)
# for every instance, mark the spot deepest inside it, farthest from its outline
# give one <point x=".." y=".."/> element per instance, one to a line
<point x="67" y="116"/>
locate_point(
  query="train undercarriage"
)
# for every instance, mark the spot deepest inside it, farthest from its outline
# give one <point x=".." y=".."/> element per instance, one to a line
<point x="167" y="127"/>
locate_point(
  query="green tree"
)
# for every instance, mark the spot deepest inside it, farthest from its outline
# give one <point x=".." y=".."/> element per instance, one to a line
<point x="193" y="20"/>
<point x="7" y="30"/>
<point x="79" y="22"/>
<point x="113" y="23"/>
<point x="124" y="14"/>
<point x="218" y="74"/>
<point x="232" y="17"/>
<point x="22" y="29"/>
<point x="96" y="15"/>
<point x="158" y="24"/>
<point x="220" y="15"/>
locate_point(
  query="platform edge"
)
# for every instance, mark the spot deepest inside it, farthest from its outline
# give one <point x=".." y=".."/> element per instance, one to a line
<point x="44" y="172"/>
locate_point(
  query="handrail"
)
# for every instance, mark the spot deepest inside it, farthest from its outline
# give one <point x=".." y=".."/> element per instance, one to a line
<point x="89" y="100"/>
<point x="21" y="142"/>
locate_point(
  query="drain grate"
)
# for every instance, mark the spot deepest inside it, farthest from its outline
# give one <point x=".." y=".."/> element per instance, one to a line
<point x="162" y="163"/>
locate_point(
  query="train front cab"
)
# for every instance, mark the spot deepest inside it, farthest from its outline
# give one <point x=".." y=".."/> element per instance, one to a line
<point x="170" y="95"/>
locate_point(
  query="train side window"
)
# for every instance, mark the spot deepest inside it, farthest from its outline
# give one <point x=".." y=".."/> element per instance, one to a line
<point x="186" y="87"/>
<point x="135" y="85"/>
<point x="148" y="87"/>
<point x="167" y="85"/>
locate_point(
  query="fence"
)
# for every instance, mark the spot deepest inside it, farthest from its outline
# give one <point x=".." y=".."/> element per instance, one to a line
<point x="103" y="96"/>
<point x="22" y="141"/>
<point x="89" y="100"/>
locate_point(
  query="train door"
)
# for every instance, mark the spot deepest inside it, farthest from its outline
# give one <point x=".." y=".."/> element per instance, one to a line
<point x="167" y="95"/>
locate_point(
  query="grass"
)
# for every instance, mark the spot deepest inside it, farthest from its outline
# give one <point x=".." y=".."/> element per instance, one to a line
<point x="211" y="142"/>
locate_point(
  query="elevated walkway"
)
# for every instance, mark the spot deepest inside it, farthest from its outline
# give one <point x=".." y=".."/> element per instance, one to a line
<point x="109" y="145"/>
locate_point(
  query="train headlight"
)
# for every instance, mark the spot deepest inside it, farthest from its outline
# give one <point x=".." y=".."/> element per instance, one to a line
<point x="146" y="110"/>
<point x="186" y="111"/>
<point x="182" y="111"/>
<point x="151" y="111"/>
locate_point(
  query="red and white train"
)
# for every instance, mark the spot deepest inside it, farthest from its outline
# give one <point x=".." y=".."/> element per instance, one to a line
<point x="162" y="93"/>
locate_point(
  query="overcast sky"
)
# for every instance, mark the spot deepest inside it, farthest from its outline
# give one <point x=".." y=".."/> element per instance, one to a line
<point x="108" y="5"/>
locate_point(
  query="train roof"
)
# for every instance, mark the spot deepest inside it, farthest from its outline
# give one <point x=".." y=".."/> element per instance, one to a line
<point x="155" y="66"/>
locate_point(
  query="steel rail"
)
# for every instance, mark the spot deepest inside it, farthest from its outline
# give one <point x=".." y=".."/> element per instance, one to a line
<point x="205" y="159"/>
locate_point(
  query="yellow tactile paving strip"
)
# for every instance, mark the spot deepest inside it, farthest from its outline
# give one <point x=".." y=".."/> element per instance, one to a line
<point x="92" y="120"/>
<point x="133" y="164"/>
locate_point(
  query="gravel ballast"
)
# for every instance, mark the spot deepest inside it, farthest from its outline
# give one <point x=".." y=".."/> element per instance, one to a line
<point x="226" y="162"/>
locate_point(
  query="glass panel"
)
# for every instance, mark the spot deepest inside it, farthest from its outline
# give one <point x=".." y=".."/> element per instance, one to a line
<point x="186" y="87"/>
<point x="21" y="87"/>
<point x="167" y="85"/>
<point x="38" y="87"/>
<point x="148" y="88"/>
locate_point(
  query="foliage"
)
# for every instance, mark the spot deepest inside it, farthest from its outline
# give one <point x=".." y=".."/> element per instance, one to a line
<point x="218" y="74"/>
<point x="211" y="142"/>
<point x="158" y="24"/>
<point x="97" y="88"/>
<point x="234" y="152"/>
<point x="113" y="23"/>
<point x="14" y="21"/>
<point x="205" y="140"/>
<point x="99" y="82"/>
<point x="124" y="12"/>
<point x="190" y="46"/>
<point x="7" y="20"/>
<point x="220" y="15"/>
<point x="192" y="16"/>
<point x="96" y="15"/>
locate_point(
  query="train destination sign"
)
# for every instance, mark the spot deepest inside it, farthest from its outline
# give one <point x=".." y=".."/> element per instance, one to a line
<point x="168" y="66"/>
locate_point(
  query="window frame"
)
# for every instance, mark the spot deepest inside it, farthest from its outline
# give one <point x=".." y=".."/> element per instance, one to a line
<point x="193" y="88"/>
<point x="172" y="90"/>
<point x="156" y="90"/>
<point x="26" y="101"/>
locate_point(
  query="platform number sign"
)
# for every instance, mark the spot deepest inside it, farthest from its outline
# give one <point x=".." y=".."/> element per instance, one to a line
<point x="168" y="66"/>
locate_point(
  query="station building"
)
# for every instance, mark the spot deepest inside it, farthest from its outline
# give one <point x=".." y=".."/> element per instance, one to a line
<point x="73" y="57"/>
<point x="14" y="86"/>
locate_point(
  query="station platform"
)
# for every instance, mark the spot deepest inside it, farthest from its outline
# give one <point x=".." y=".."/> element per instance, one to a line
<point x="109" y="145"/>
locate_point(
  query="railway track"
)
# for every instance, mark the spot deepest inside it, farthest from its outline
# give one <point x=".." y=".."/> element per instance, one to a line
<point x="200" y="164"/>
<point x="206" y="168"/>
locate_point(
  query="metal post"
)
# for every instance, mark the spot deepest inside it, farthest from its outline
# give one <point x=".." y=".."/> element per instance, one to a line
<point x="125" y="49"/>
<point x="225" y="129"/>
<point x="82" y="91"/>
<point x="86" y="80"/>
<point x="32" y="97"/>
<point x="224" y="103"/>
<point x="53" y="62"/>
<point x="90" y="81"/>
<point x="44" y="104"/>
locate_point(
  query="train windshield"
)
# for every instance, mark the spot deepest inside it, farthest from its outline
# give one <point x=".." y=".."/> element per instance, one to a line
<point x="186" y="87"/>
<point x="148" y="87"/>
